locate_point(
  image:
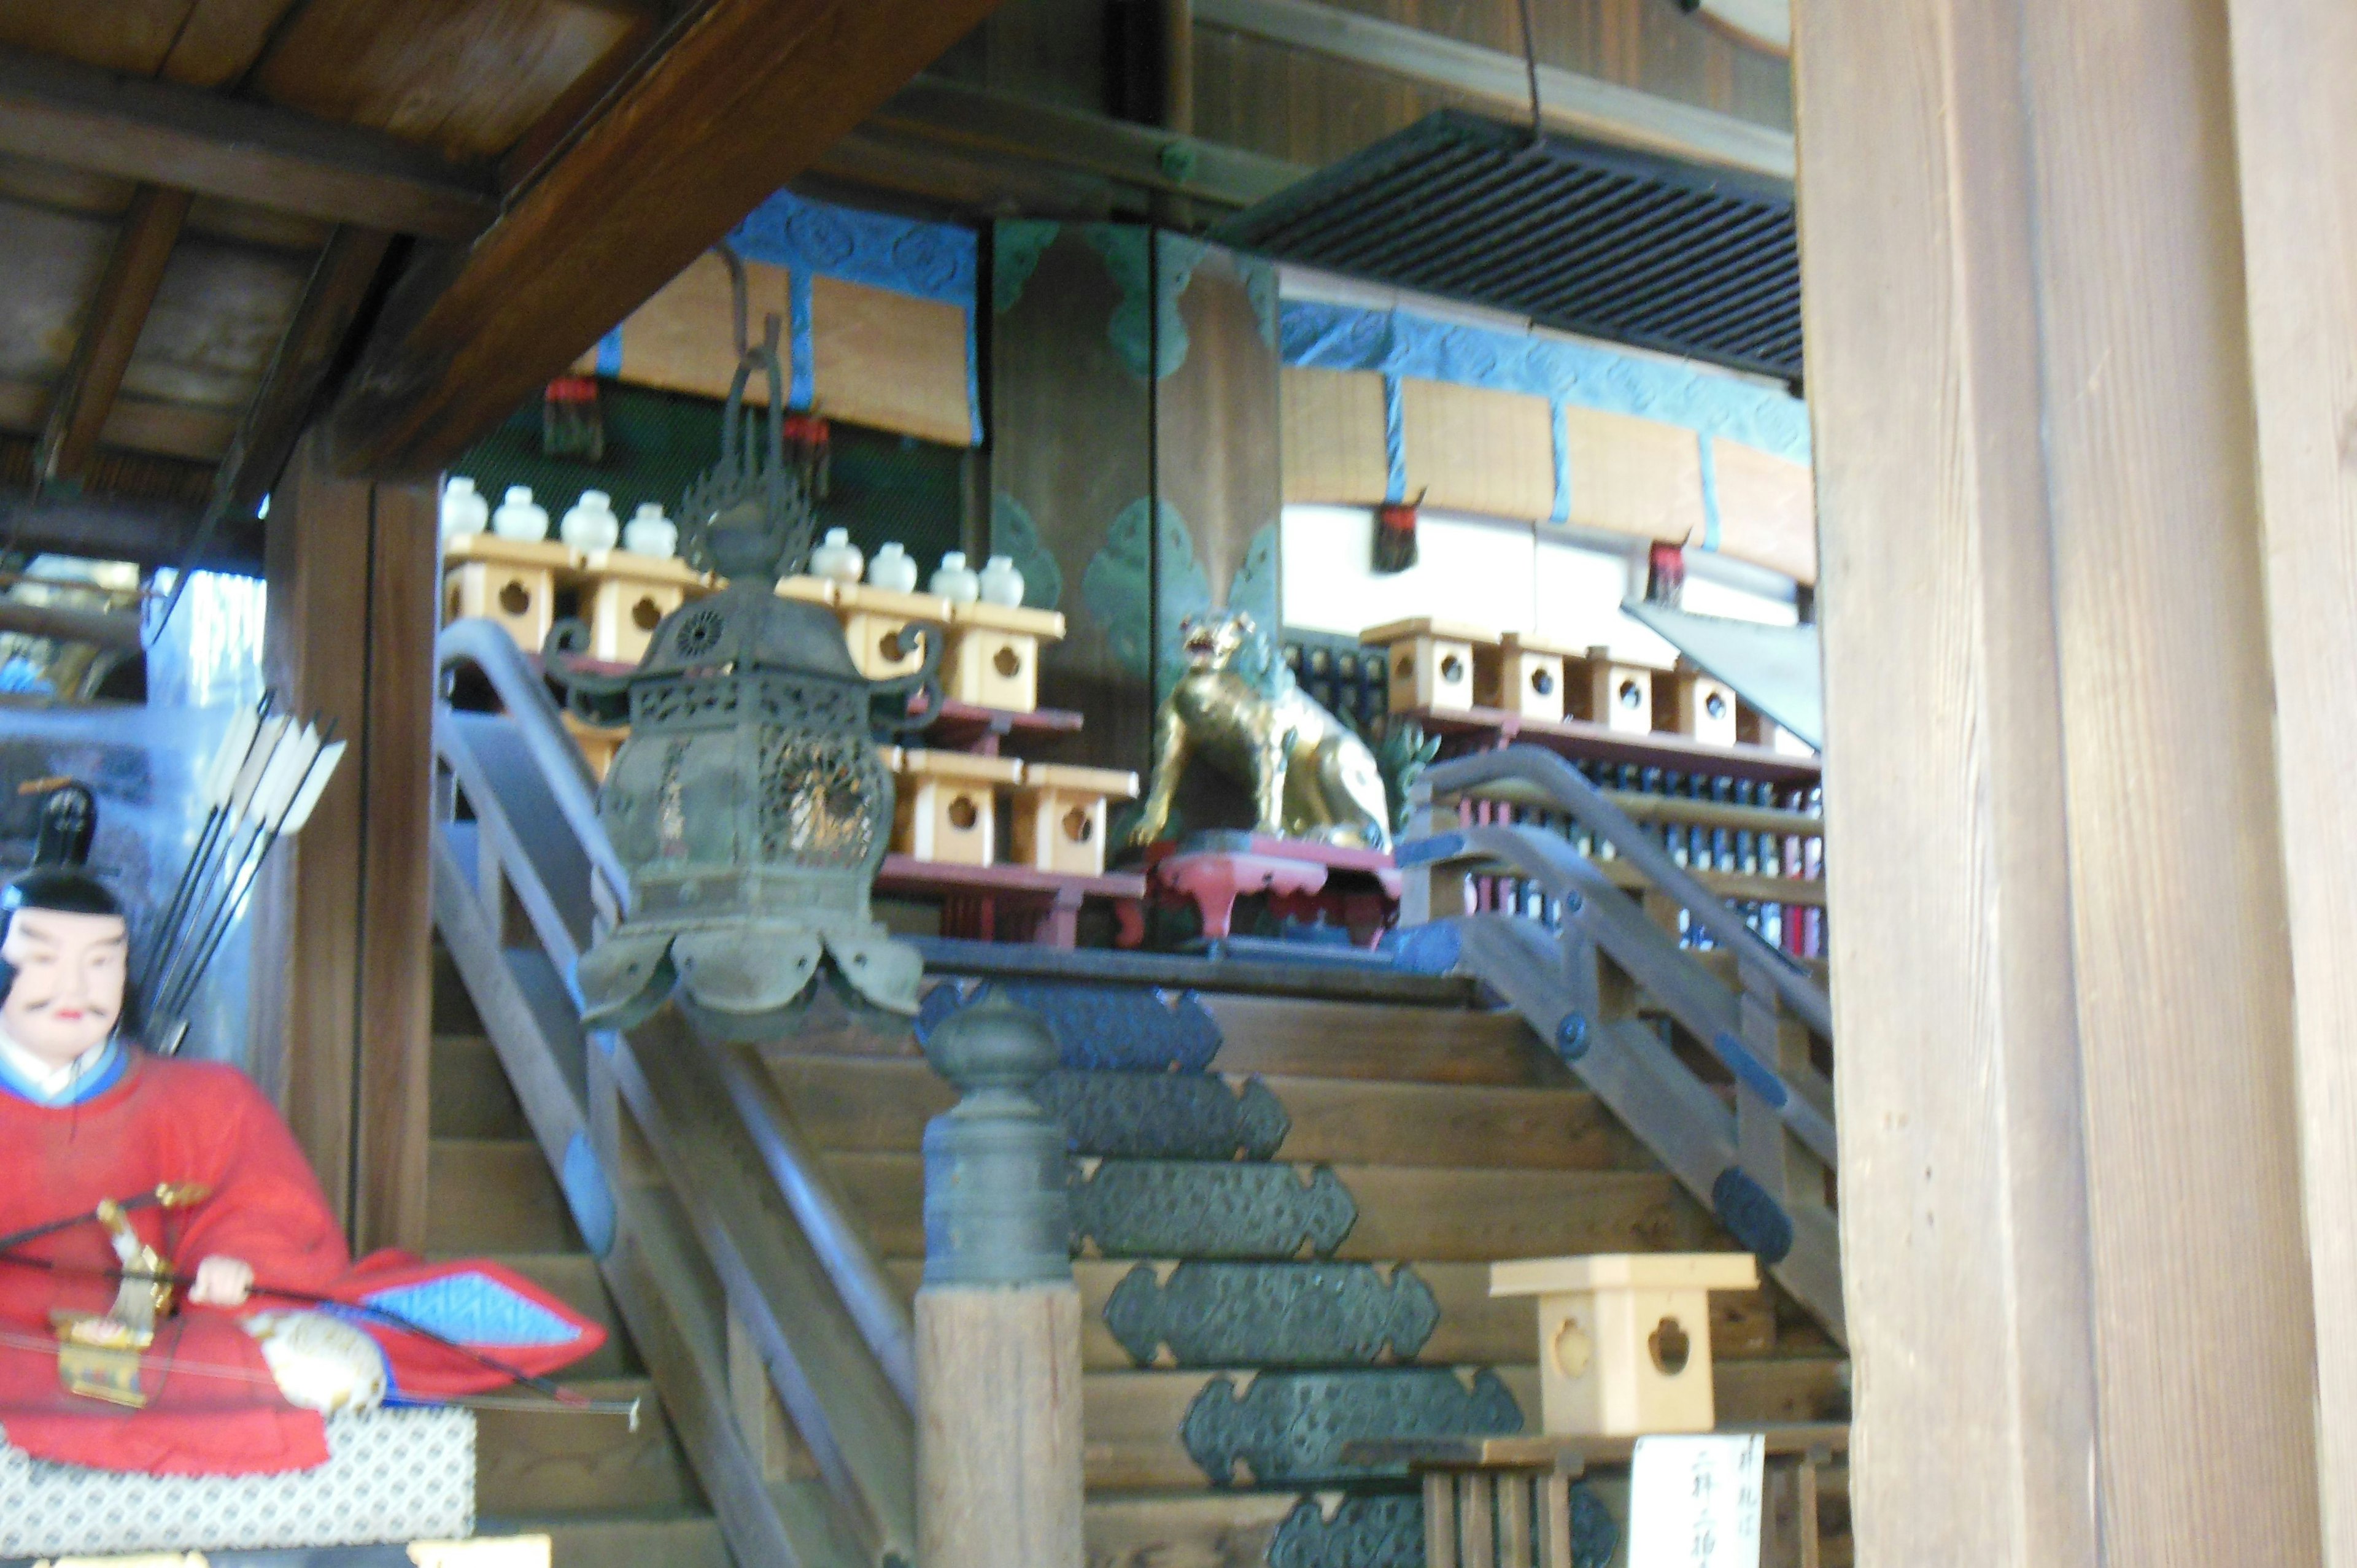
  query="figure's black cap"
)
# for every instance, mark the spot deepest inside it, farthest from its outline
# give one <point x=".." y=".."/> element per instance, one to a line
<point x="68" y="892"/>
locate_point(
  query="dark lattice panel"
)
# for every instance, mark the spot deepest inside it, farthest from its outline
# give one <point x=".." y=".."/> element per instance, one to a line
<point x="1577" y="235"/>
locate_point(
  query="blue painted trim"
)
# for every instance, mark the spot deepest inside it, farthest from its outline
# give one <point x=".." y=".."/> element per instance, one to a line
<point x="1430" y="851"/>
<point x="1561" y="511"/>
<point x="588" y="1195"/>
<point x="1579" y="375"/>
<point x="1752" y="1216"/>
<point x="109" y="1072"/>
<point x="907" y="255"/>
<point x="610" y="353"/>
<point x="803" y="373"/>
<point x="1426" y="950"/>
<point x="1709" y="492"/>
<point x="1394" y="443"/>
<point x="973" y="380"/>
<point x="1754" y="1074"/>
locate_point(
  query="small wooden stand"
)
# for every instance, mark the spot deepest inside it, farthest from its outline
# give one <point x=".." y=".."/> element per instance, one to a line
<point x="511" y="581"/>
<point x="1700" y="707"/>
<point x="873" y="620"/>
<point x="1431" y="661"/>
<point x="1616" y="694"/>
<point x="994" y="655"/>
<point x="1624" y="1339"/>
<point x="1059" y="816"/>
<point x="810" y="590"/>
<point x="626" y="597"/>
<point x="948" y="808"/>
<point x="1523" y="676"/>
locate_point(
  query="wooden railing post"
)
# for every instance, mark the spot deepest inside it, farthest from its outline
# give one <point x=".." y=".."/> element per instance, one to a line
<point x="999" y="1319"/>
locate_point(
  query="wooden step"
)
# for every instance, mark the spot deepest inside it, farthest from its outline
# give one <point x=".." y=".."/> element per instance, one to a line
<point x="1474" y="1326"/>
<point x="661" y="1538"/>
<point x="470" y="1091"/>
<point x="1184" y="1529"/>
<point x="1132" y="1420"/>
<point x="1276" y="1035"/>
<point x="1440" y="1215"/>
<point x="493" y="1195"/>
<point x="453" y="1009"/>
<point x="879" y="1105"/>
<point x="536" y="1461"/>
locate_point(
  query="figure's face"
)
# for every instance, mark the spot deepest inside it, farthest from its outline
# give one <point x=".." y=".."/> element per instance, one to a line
<point x="1210" y="642"/>
<point x="69" y="986"/>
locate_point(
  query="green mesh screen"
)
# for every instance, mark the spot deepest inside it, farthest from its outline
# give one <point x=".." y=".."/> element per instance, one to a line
<point x="881" y="485"/>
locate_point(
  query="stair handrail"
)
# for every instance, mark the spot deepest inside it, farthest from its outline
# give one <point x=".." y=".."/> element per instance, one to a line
<point x="1562" y="784"/>
<point x="867" y="1292"/>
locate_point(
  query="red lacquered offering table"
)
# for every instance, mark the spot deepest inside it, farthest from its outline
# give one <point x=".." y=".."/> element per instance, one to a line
<point x="1358" y="889"/>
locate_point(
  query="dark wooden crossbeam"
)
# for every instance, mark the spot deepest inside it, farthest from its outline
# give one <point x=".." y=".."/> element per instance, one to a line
<point x="293" y="386"/>
<point x="192" y="140"/>
<point x="118" y="528"/>
<point x="747" y="96"/>
<point x="109" y="333"/>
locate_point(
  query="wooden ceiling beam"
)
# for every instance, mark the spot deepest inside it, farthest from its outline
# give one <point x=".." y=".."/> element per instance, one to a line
<point x="192" y="140"/>
<point x="749" y="95"/>
<point x="120" y="527"/>
<point x="125" y="291"/>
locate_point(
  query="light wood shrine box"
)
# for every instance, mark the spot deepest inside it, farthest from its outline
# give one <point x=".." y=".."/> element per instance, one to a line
<point x="1431" y="661"/>
<point x="1615" y="693"/>
<point x="1060" y="815"/>
<point x="946" y="807"/>
<point x="1700" y="707"/>
<point x="625" y="595"/>
<point x="1624" y="1339"/>
<point x="511" y="581"/>
<point x="994" y="655"/>
<point x="1522" y="675"/>
<point x="873" y="620"/>
<point x="599" y="743"/>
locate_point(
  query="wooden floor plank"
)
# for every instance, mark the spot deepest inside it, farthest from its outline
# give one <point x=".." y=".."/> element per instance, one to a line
<point x="1191" y="1530"/>
<point x="533" y="1461"/>
<point x="1343" y="1039"/>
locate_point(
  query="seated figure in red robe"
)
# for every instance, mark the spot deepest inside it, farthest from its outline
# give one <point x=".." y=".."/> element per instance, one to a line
<point x="236" y="1378"/>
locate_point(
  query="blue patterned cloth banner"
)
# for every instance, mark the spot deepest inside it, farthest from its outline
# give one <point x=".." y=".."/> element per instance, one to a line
<point x="1393" y="343"/>
<point x="474" y="1309"/>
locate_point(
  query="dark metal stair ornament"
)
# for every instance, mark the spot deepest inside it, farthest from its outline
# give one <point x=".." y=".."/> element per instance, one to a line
<point x="1101" y="1028"/>
<point x="997" y="1211"/>
<point x="1271" y="1314"/>
<point x="748" y="806"/>
<point x="1189" y="1209"/>
<point x="1165" y="1115"/>
<point x="1288" y="1429"/>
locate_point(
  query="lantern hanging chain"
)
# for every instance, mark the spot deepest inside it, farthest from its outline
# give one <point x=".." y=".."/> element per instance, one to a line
<point x="1531" y="63"/>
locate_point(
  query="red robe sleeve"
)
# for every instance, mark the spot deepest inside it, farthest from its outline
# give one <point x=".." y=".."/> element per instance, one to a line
<point x="265" y="1207"/>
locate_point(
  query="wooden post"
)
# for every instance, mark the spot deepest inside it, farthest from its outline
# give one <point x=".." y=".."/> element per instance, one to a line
<point x="2072" y="1136"/>
<point x="343" y="965"/>
<point x="999" y="1319"/>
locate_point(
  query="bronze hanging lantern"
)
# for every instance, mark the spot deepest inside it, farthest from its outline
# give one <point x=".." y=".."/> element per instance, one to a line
<point x="748" y="804"/>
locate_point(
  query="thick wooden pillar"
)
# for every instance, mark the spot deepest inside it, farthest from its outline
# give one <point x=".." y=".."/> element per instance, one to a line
<point x="343" y="968"/>
<point x="2077" y="1283"/>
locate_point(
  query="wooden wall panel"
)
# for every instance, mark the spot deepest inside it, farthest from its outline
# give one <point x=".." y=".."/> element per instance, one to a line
<point x="890" y="360"/>
<point x="1471" y="450"/>
<point x="1333" y="436"/>
<point x="1215" y="413"/>
<point x="1767" y="509"/>
<point x="2078" y="1291"/>
<point x="1634" y="475"/>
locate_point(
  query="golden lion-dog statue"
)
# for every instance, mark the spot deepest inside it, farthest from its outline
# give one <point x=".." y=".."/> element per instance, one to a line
<point x="1310" y="778"/>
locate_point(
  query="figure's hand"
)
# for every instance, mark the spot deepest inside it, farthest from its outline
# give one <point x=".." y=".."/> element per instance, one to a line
<point x="222" y="1281"/>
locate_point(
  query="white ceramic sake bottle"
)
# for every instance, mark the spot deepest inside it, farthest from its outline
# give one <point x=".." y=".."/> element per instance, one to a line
<point x="955" y="581"/>
<point x="1001" y="583"/>
<point x="837" y="558"/>
<point x="893" y="569"/>
<point x="590" y="523"/>
<point x="649" y="533"/>
<point x="464" y="508"/>
<point x="518" y="518"/>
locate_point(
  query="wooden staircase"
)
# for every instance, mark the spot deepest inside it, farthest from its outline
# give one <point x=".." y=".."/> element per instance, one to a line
<point x="1459" y="1139"/>
<point x="609" y="1496"/>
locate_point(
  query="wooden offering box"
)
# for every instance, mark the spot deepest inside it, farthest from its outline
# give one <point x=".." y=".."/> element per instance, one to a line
<point x="994" y="655"/>
<point x="1624" y="1339"/>
<point x="511" y="581"/>
<point x="1700" y="708"/>
<point x="947" y="808"/>
<point x="1431" y="661"/>
<point x="624" y="596"/>
<point x="1059" y="816"/>
<point x="1523" y="676"/>
<point x="873" y="620"/>
<point x="1616" y="692"/>
<point x="810" y="590"/>
<point x="599" y="743"/>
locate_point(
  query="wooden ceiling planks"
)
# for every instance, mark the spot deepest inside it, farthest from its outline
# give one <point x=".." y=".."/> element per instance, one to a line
<point x="131" y="36"/>
<point x="748" y="96"/>
<point x="110" y="333"/>
<point x="53" y="262"/>
<point x="219" y="40"/>
<point x="214" y="323"/>
<point x="468" y="78"/>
